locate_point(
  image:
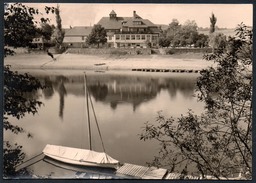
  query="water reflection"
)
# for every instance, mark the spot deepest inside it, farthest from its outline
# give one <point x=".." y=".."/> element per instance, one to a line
<point x="116" y="89"/>
<point x="123" y="103"/>
<point x="48" y="90"/>
<point x="62" y="93"/>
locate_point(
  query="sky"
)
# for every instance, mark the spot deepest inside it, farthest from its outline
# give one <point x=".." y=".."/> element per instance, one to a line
<point x="86" y="14"/>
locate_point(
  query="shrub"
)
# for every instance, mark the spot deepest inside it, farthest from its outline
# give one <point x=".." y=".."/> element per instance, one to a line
<point x="170" y="52"/>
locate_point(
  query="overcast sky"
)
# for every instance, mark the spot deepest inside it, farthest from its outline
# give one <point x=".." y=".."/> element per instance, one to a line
<point x="228" y="15"/>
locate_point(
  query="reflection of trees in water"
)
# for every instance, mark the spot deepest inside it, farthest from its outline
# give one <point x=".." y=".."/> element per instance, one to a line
<point x="48" y="89"/>
<point x="60" y="80"/>
<point x="62" y="92"/>
<point x="185" y="86"/>
<point x="55" y="84"/>
<point x="113" y="105"/>
<point x="115" y="89"/>
<point x="99" y="91"/>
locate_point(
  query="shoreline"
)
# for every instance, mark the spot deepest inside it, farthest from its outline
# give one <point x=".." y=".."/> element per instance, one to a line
<point x="147" y="63"/>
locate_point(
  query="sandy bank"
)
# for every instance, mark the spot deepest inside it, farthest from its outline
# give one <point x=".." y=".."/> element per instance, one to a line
<point x="103" y="62"/>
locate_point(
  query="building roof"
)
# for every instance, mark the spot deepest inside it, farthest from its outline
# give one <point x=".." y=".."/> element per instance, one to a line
<point x="108" y="23"/>
<point x="78" y="31"/>
<point x="119" y="22"/>
<point x="144" y="23"/>
<point x="112" y="12"/>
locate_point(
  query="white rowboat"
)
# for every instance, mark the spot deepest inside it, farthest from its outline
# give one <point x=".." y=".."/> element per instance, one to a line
<point x="81" y="157"/>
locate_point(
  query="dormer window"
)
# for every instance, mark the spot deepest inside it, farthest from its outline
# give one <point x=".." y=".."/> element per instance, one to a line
<point x="137" y="23"/>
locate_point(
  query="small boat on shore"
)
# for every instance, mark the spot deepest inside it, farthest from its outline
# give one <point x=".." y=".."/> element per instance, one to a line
<point x="84" y="157"/>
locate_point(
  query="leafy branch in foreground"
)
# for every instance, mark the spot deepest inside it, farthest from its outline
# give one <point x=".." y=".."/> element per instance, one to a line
<point x="19" y="31"/>
<point x="219" y="141"/>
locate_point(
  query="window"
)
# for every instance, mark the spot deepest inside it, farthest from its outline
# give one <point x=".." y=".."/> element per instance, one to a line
<point x="133" y="37"/>
<point x="137" y="37"/>
<point x="123" y="37"/>
<point x="148" y="37"/>
<point x="143" y="37"/>
<point x="154" y="38"/>
<point x="128" y="37"/>
<point x="117" y="37"/>
<point x="137" y="22"/>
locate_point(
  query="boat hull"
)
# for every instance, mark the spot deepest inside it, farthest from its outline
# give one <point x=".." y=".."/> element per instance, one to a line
<point x="82" y="157"/>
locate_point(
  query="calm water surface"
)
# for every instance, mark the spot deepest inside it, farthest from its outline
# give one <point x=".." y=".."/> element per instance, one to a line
<point x="123" y="102"/>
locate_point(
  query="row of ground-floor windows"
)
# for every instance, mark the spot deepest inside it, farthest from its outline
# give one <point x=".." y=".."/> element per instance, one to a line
<point x="134" y="37"/>
<point x="133" y="45"/>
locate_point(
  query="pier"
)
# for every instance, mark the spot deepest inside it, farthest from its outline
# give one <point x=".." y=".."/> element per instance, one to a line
<point x="167" y="70"/>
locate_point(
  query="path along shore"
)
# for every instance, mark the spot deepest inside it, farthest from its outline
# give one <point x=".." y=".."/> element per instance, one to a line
<point x="104" y="62"/>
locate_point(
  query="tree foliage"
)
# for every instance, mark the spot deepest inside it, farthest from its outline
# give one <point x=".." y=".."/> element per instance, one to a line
<point x="59" y="32"/>
<point x="164" y="42"/>
<point x="183" y="35"/>
<point x="47" y="31"/>
<point x="13" y="156"/>
<point x="19" y="29"/>
<point x="213" y="21"/>
<point x="18" y="18"/>
<point x="219" y="141"/>
<point x="97" y="36"/>
<point x="20" y="25"/>
<point x="217" y="41"/>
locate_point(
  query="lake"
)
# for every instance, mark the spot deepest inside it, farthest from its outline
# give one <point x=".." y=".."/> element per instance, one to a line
<point x="123" y="102"/>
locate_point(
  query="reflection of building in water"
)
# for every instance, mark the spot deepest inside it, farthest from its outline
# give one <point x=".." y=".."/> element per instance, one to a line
<point x="134" y="93"/>
<point x="117" y="89"/>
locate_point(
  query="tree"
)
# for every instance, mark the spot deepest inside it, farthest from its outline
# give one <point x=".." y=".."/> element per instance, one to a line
<point x="202" y="41"/>
<point x="164" y="42"/>
<point x="59" y="32"/>
<point x="20" y="26"/>
<point x="26" y="27"/>
<point x="213" y="21"/>
<point x="97" y="36"/>
<point x="19" y="29"/>
<point x="182" y="35"/>
<point x="172" y="33"/>
<point x="219" y="141"/>
<point x="217" y="41"/>
<point x="189" y="32"/>
<point x="46" y="32"/>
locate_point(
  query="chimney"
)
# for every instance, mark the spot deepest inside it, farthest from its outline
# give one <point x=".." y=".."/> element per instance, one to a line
<point x="134" y="14"/>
